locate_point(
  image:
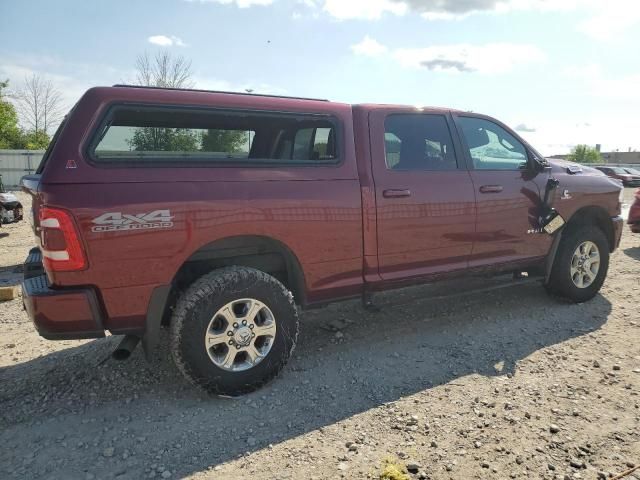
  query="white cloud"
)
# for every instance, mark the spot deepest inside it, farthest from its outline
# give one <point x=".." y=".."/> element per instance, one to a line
<point x="609" y="120"/>
<point x="238" y="3"/>
<point x="490" y="58"/>
<point x="431" y="9"/>
<point x="602" y="84"/>
<point x="72" y="79"/>
<point x="166" y="41"/>
<point x="455" y="9"/>
<point x="611" y="18"/>
<point x="602" y="20"/>
<point x="216" y="84"/>
<point x="523" y="127"/>
<point x="556" y="136"/>
<point x="363" y="9"/>
<point x="368" y="47"/>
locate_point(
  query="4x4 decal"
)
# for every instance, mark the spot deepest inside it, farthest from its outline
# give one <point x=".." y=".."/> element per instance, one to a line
<point x="116" y="221"/>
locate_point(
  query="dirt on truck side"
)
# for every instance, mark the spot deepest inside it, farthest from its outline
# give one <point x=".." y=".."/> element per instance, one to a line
<point x="496" y="385"/>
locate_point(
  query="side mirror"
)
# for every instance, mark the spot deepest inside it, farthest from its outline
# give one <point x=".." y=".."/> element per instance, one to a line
<point x="539" y="164"/>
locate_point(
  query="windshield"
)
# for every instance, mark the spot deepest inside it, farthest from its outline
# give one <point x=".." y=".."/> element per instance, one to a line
<point x="632" y="171"/>
<point x="619" y="171"/>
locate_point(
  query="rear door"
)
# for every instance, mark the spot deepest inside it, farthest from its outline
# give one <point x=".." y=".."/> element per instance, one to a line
<point x="507" y="189"/>
<point x="424" y="195"/>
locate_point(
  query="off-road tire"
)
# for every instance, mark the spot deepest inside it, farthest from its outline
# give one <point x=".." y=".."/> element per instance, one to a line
<point x="195" y="309"/>
<point x="560" y="283"/>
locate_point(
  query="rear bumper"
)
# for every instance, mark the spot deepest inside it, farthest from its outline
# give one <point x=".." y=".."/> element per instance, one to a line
<point x="59" y="314"/>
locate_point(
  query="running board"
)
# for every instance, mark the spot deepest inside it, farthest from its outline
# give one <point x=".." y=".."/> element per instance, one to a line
<point x="446" y="289"/>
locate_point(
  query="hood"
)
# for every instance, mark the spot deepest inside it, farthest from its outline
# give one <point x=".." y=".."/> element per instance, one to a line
<point x="572" y="168"/>
<point x="8" y="198"/>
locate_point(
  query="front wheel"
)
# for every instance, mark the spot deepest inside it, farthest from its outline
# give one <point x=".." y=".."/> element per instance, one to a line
<point x="233" y="330"/>
<point x="581" y="264"/>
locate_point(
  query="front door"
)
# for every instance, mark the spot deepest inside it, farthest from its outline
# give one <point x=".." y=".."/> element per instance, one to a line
<point x="508" y="194"/>
<point x="424" y="195"/>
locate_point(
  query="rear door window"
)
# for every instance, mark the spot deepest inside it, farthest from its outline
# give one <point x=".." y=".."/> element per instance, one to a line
<point x="418" y="142"/>
<point x="159" y="135"/>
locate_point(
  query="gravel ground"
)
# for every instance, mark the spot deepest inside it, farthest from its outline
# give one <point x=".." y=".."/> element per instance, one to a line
<point x="501" y="384"/>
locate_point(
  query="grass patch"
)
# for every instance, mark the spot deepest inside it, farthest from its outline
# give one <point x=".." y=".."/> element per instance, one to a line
<point x="392" y="469"/>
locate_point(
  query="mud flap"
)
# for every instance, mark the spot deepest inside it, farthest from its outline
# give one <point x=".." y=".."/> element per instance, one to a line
<point x="153" y="322"/>
<point x="551" y="256"/>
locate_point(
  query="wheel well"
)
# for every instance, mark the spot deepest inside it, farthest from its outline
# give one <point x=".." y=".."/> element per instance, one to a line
<point x="262" y="253"/>
<point x="595" y="216"/>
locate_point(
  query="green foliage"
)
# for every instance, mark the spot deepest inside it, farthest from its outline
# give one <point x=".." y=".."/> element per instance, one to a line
<point x="11" y="135"/>
<point x="584" y="154"/>
<point x="154" y="139"/>
<point x="227" y="141"/>
<point x="9" y="131"/>
<point x="34" y="140"/>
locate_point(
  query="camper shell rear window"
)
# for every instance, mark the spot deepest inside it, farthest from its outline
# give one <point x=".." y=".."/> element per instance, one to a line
<point x="145" y="135"/>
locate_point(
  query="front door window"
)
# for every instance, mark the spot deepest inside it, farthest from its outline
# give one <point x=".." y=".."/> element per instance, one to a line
<point x="490" y="146"/>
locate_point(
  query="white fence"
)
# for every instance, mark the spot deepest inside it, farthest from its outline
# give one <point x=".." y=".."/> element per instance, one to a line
<point x="14" y="164"/>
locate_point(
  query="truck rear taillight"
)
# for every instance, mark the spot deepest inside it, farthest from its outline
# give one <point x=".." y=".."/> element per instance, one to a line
<point x="61" y="247"/>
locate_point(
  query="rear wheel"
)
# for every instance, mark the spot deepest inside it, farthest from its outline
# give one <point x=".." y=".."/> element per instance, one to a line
<point x="581" y="264"/>
<point x="233" y="330"/>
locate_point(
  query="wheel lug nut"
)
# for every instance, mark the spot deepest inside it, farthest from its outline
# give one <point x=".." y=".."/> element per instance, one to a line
<point x="235" y="325"/>
<point x="244" y="322"/>
<point x="230" y="342"/>
<point x="251" y="326"/>
<point x="230" y="333"/>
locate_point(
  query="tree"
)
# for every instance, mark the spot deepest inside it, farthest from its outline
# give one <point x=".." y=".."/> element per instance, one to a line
<point x="9" y="130"/>
<point x="34" y="140"/>
<point x="584" y="154"/>
<point x="166" y="70"/>
<point x="154" y="139"/>
<point x="39" y="104"/>
<point x="227" y="141"/>
<point x="163" y="70"/>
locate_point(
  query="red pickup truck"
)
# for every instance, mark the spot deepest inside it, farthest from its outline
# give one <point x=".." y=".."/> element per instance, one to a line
<point x="221" y="214"/>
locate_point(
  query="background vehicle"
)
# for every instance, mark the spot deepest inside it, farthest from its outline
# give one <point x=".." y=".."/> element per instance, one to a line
<point x="634" y="213"/>
<point x="622" y="174"/>
<point x="10" y="207"/>
<point x="220" y="214"/>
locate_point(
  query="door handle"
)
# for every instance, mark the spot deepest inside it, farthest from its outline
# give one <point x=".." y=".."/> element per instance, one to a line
<point x="396" y="193"/>
<point x="490" y="188"/>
